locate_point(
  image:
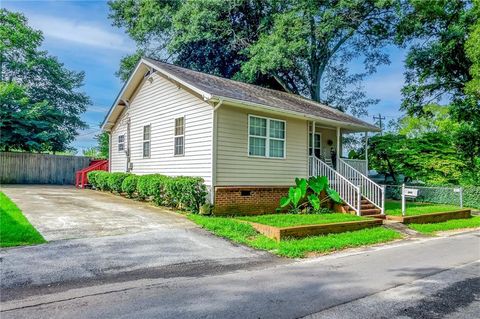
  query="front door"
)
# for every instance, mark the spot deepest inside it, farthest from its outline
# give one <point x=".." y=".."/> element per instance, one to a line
<point x="317" y="146"/>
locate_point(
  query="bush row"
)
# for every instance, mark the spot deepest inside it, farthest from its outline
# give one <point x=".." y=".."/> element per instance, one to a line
<point x="181" y="192"/>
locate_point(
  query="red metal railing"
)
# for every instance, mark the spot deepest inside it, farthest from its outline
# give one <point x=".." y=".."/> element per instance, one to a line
<point x="81" y="178"/>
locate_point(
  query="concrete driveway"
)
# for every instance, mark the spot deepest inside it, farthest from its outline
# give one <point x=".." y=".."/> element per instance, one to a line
<point x="64" y="212"/>
<point x="96" y="237"/>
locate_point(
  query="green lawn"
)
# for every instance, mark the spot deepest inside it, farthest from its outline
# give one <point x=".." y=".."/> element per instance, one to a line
<point x="285" y="220"/>
<point x="414" y="208"/>
<point x="15" y="230"/>
<point x="245" y="234"/>
<point x="472" y="222"/>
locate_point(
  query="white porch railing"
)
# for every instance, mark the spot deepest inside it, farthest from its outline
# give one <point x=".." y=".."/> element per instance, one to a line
<point x="358" y="164"/>
<point x="369" y="189"/>
<point x="349" y="193"/>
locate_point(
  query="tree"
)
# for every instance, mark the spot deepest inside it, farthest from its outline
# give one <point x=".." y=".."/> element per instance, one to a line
<point x="101" y="150"/>
<point x="43" y="79"/>
<point x="148" y="23"/>
<point x="441" y="65"/>
<point x="310" y="44"/>
<point x="472" y="48"/>
<point x="439" y="121"/>
<point x="431" y="158"/>
<point x="24" y="125"/>
<point x="304" y="45"/>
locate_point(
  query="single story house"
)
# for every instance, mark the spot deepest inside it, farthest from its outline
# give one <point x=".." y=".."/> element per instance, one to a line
<point x="247" y="142"/>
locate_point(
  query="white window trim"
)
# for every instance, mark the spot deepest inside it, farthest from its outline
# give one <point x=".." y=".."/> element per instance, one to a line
<point x="149" y="141"/>
<point x="183" y="135"/>
<point x="267" y="138"/>
<point x="313" y="144"/>
<point x="120" y="143"/>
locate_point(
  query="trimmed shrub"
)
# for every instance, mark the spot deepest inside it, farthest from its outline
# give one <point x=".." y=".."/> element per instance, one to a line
<point x="186" y="193"/>
<point x="183" y="192"/>
<point x="129" y="185"/>
<point x="152" y="187"/>
<point x="101" y="179"/>
<point x="92" y="178"/>
<point x="115" y="180"/>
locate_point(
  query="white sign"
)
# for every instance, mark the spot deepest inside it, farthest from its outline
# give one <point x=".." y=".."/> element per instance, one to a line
<point x="410" y="192"/>
<point x="457" y="190"/>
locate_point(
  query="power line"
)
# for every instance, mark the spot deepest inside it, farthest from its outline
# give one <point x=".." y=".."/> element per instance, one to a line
<point x="380" y="118"/>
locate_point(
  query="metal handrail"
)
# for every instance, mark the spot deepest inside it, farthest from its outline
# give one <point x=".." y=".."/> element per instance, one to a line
<point x="349" y="193"/>
<point x="369" y="189"/>
<point x="358" y="164"/>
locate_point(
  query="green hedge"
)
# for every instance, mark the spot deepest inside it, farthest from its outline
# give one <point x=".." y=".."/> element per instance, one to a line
<point x="180" y="192"/>
<point x="115" y="180"/>
<point x="129" y="185"/>
<point x="91" y="177"/>
<point x="99" y="179"/>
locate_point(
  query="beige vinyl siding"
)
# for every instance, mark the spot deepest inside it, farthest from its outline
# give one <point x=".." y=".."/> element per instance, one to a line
<point x="157" y="104"/>
<point x="327" y="134"/>
<point x="235" y="167"/>
<point x="118" y="159"/>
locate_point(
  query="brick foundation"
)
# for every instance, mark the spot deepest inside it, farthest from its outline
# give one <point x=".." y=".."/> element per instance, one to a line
<point x="245" y="200"/>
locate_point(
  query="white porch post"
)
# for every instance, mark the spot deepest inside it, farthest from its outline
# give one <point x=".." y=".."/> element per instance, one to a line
<point x="313" y="140"/>
<point x="339" y="137"/>
<point x="366" y="154"/>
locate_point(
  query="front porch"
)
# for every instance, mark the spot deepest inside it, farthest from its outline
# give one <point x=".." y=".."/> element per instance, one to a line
<point x="349" y="177"/>
<point x="328" y="146"/>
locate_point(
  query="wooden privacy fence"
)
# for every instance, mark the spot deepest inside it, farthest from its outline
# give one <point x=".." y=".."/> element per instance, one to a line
<point x="32" y="168"/>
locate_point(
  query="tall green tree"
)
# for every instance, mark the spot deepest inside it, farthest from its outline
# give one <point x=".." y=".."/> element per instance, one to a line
<point x="310" y="43"/>
<point x="304" y="45"/>
<point x="43" y="79"/>
<point x="25" y="125"/>
<point x="101" y="149"/>
<point x="431" y="158"/>
<point x="442" y="36"/>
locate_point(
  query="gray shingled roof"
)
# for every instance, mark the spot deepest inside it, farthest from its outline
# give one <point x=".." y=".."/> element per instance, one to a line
<point x="222" y="87"/>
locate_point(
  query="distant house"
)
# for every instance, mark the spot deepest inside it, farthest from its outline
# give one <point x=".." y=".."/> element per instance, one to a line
<point x="247" y="142"/>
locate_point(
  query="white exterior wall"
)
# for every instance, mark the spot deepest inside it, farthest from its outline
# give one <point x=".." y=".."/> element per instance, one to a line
<point x="118" y="159"/>
<point x="158" y="104"/>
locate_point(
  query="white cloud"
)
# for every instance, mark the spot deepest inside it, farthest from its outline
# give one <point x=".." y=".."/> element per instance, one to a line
<point x="82" y="33"/>
<point x="98" y="109"/>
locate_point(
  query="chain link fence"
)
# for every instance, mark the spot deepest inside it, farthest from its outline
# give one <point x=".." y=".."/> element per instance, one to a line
<point x="468" y="196"/>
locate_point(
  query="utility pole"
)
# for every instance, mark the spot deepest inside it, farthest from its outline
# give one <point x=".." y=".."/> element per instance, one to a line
<point x="379" y="120"/>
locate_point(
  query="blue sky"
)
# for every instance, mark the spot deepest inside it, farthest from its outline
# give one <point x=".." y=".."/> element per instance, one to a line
<point x="80" y="34"/>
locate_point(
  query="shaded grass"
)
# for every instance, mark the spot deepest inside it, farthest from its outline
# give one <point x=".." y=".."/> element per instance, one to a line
<point x="285" y="220"/>
<point x="472" y="222"/>
<point x="414" y="208"/>
<point x="244" y="233"/>
<point x="15" y="229"/>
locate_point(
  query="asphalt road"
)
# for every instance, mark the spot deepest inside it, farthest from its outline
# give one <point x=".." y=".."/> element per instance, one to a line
<point x="114" y="240"/>
<point x="424" y="278"/>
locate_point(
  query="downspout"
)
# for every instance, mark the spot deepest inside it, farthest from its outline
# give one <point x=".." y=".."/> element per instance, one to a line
<point x="214" y="151"/>
<point x="127" y="149"/>
<point x="109" y="151"/>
